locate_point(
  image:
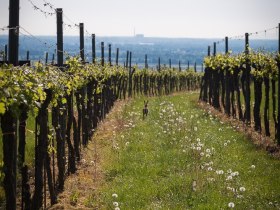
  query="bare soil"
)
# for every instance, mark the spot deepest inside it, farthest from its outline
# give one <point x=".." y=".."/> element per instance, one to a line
<point x="81" y="188"/>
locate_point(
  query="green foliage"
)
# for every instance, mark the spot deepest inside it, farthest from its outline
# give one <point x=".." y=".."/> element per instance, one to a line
<point x="263" y="64"/>
<point x="181" y="157"/>
<point x="27" y="85"/>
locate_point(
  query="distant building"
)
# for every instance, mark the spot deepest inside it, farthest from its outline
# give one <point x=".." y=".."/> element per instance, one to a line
<point x="139" y="36"/>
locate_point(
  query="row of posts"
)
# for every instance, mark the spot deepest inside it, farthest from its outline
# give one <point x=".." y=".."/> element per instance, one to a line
<point x="247" y="79"/>
<point x="14" y="41"/>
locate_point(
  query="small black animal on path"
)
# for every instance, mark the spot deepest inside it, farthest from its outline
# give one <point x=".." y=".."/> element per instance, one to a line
<point x="145" y="109"/>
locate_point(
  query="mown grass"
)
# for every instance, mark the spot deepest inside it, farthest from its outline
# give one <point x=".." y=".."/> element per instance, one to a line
<point x="180" y="157"/>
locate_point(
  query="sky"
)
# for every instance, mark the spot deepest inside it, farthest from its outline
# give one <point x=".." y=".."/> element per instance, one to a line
<point x="153" y="18"/>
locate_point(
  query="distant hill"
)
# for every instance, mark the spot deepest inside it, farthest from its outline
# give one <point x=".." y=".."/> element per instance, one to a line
<point x="176" y="49"/>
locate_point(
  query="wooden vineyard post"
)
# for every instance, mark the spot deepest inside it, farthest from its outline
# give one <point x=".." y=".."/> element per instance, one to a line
<point x="59" y="37"/>
<point x="117" y="57"/>
<point x="110" y="58"/>
<point x="146" y="61"/>
<point x="170" y="63"/>
<point x="215" y="84"/>
<point x="102" y="53"/>
<point x="6" y="53"/>
<point x="93" y="48"/>
<point x="47" y="57"/>
<point x="130" y="72"/>
<point x="247" y="82"/>
<point x="180" y="66"/>
<point x="82" y="41"/>
<point x="57" y="118"/>
<point x="27" y="55"/>
<point x="214" y="49"/>
<point x="205" y="81"/>
<point x="278" y="117"/>
<point x="227" y="87"/>
<point x="127" y="57"/>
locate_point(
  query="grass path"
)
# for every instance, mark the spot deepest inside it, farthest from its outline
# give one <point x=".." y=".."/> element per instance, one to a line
<point x="179" y="157"/>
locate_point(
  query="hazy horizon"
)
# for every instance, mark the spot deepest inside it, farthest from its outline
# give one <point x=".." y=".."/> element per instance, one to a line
<point x="155" y="37"/>
<point x="153" y="18"/>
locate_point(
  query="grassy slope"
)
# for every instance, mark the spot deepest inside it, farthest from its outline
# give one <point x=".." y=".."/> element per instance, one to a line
<point x="171" y="160"/>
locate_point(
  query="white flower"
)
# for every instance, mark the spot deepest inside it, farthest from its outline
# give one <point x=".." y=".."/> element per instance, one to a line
<point x="114" y="195"/>
<point x="207" y="155"/>
<point x="236" y="173"/>
<point x="198" y="139"/>
<point x="231" y="205"/>
<point x="116" y="204"/>
<point x="220" y="172"/>
<point x="242" y="189"/>
<point x="253" y="166"/>
<point x="225" y="144"/>
<point x="195" y="128"/>
<point x="198" y="148"/>
<point x="208" y="150"/>
<point x="209" y="169"/>
<point x="229" y="178"/>
<point x="202" y="154"/>
<point x="127" y="143"/>
<point x="117" y="208"/>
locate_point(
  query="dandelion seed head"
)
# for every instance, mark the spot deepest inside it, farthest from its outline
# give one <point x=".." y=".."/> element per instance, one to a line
<point x="242" y="189"/>
<point x="116" y="204"/>
<point x="114" y="195"/>
<point x="231" y="205"/>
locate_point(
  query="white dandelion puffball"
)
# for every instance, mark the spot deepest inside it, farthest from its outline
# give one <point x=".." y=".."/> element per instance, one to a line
<point x="231" y="205"/>
<point x="242" y="189"/>
<point x="116" y="204"/>
<point x="114" y="195"/>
